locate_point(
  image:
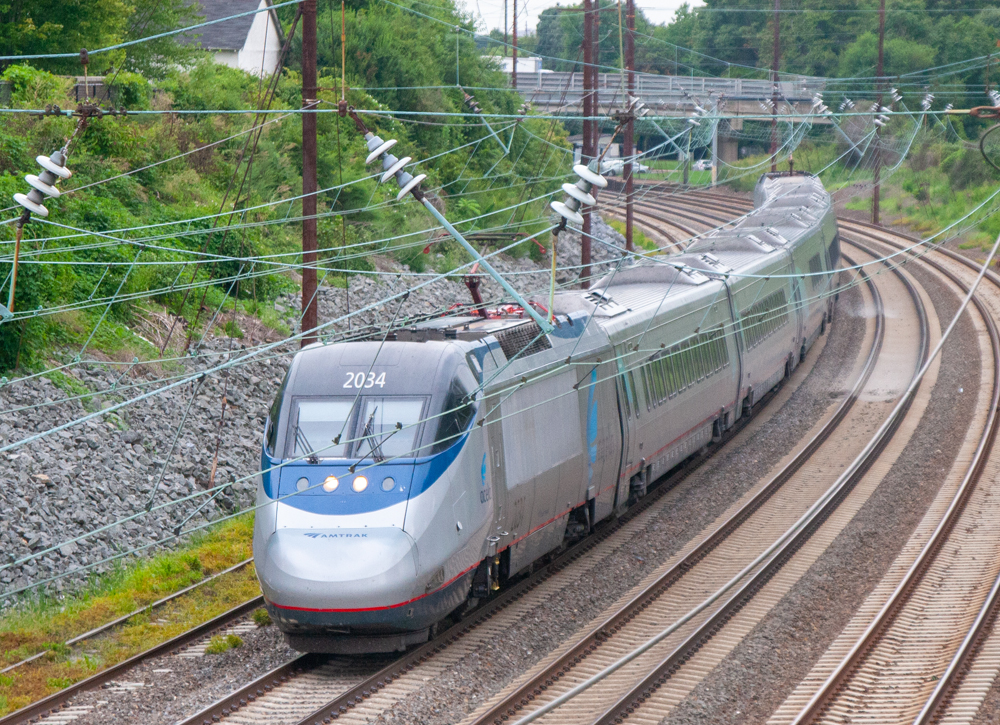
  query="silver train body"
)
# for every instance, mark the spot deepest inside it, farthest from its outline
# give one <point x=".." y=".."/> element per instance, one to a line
<point x="458" y="496"/>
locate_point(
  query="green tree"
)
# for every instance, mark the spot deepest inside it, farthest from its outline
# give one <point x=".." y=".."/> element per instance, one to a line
<point x="44" y="27"/>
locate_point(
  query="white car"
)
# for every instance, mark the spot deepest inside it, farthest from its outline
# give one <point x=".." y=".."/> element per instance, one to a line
<point x="703" y="165"/>
<point x="617" y="167"/>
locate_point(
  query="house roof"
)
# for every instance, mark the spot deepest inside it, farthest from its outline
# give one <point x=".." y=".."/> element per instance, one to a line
<point x="231" y="34"/>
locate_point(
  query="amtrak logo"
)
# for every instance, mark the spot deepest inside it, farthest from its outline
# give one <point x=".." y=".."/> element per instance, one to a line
<point x="484" y="492"/>
<point x="337" y="536"/>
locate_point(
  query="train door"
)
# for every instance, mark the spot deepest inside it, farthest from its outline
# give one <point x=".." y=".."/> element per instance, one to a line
<point x="626" y="413"/>
<point x="494" y="468"/>
<point x="800" y="308"/>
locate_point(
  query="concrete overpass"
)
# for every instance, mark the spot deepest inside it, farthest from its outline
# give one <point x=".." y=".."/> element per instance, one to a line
<point x="560" y="92"/>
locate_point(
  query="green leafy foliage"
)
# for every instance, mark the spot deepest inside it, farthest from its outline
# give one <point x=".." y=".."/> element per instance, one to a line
<point x="225" y="184"/>
<point x="44" y="27"/>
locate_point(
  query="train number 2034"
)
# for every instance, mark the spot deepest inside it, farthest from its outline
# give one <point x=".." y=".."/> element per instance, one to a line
<point x="361" y="380"/>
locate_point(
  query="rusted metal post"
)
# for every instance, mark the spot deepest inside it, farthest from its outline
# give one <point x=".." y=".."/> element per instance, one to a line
<point x="513" y="76"/>
<point x="588" y="151"/>
<point x="628" y="137"/>
<point x="309" y="180"/>
<point x="774" y="87"/>
<point x="878" y="140"/>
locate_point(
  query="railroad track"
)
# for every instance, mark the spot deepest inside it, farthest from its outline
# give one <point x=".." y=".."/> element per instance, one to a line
<point x="920" y="649"/>
<point x="295" y="686"/>
<point x="906" y="663"/>
<point x="351" y="692"/>
<point x="120" y="621"/>
<point x="646" y="687"/>
<point x="299" y="691"/>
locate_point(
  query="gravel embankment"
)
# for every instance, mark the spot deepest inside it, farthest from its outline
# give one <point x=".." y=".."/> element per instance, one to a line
<point x="96" y="474"/>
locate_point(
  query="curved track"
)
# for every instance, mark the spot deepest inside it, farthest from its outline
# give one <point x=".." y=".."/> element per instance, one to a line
<point x="919" y="650"/>
<point x="314" y="689"/>
<point x="646" y="687"/>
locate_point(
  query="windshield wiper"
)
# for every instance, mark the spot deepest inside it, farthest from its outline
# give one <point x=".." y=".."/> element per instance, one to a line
<point x="304" y="443"/>
<point x="368" y="433"/>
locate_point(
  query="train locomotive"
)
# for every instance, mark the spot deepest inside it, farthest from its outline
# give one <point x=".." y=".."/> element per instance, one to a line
<point x="405" y="478"/>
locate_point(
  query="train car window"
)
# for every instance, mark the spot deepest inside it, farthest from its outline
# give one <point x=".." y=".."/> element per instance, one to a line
<point x="271" y="426"/>
<point x="661" y="366"/>
<point x="687" y="364"/>
<point x="635" y="393"/>
<point x="658" y="381"/>
<point x="387" y="427"/>
<point x="317" y="423"/>
<point x="723" y="347"/>
<point x="643" y="374"/>
<point x="816" y="269"/>
<point x="708" y="353"/>
<point x="454" y="421"/>
<point x="625" y="397"/>
<point x="699" y="353"/>
<point x="764" y="317"/>
<point x="676" y="375"/>
<point x="712" y="347"/>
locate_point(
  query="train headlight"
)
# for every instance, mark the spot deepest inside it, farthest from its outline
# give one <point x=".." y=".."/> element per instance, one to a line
<point x="330" y="484"/>
<point x="302" y="484"/>
<point x="388" y="483"/>
<point x="360" y="484"/>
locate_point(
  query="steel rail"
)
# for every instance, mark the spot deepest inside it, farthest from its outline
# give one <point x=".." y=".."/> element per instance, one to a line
<point x="949" y="681"/>
<point x="632" y="701"/>
<point x="604" y="631"/>
<point x="914" y="576"/>
<point x="152" y="606"/>
<point x="42" y="708"/>
<point x="952" y="677"/>
<point x="240" y="697"/>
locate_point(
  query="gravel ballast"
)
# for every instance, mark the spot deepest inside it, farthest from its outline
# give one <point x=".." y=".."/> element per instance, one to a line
<point x="750" y="684"/>
<point x="95" y="474"/>
<point x="681" y="514"/>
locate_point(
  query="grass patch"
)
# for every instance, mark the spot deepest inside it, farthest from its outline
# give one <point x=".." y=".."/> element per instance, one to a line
<point x="219" y="644"/>
<point x="261" y="618"/>
<point x="638" y="238"/>
<point x="44" y="623"/>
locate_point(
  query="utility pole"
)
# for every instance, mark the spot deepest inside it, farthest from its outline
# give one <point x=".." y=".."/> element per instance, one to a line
<point x="628" y="138"/>
<point x="504" y="28"/>
<point x="595" y="77"/>
<point x="587" y="153"/>
<point x="774" y="87"/>
<point x="309" y="183"/>
<point x="878" y="141"/>
<point x="687" y="158"/>
<point x="513" y="77"/>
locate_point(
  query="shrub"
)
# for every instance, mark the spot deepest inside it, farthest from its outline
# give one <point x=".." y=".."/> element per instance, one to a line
<point x="223" y="643"/>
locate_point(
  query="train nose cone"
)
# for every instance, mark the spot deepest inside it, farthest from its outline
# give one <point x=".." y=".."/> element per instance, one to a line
<point x="337" y="569"/>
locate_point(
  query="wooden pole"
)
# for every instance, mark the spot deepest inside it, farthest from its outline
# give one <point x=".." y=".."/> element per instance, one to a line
<point x="587" y="153"/>
<point x="774" y="87"/>
<point x="628" y="138"/>
<point x="878" y="140"/>
<point x="309" y="180"/>
<point x="513" y="77"/>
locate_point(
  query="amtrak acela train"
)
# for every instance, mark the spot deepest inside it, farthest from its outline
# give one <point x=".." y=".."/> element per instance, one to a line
<point x="405" y="478"/>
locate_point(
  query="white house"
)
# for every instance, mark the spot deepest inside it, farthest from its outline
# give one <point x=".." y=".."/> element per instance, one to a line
<point x="524" y="65"/>
<point x="251" y="43"/>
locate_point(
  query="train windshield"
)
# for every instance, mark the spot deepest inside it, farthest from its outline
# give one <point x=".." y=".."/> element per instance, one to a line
<point x="378" y="427"/>
<point x="389" y="428"/>
<point x="317" y="424"/>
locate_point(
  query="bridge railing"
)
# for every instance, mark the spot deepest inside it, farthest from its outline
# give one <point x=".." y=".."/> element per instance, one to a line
<point x="547" y="87"/>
